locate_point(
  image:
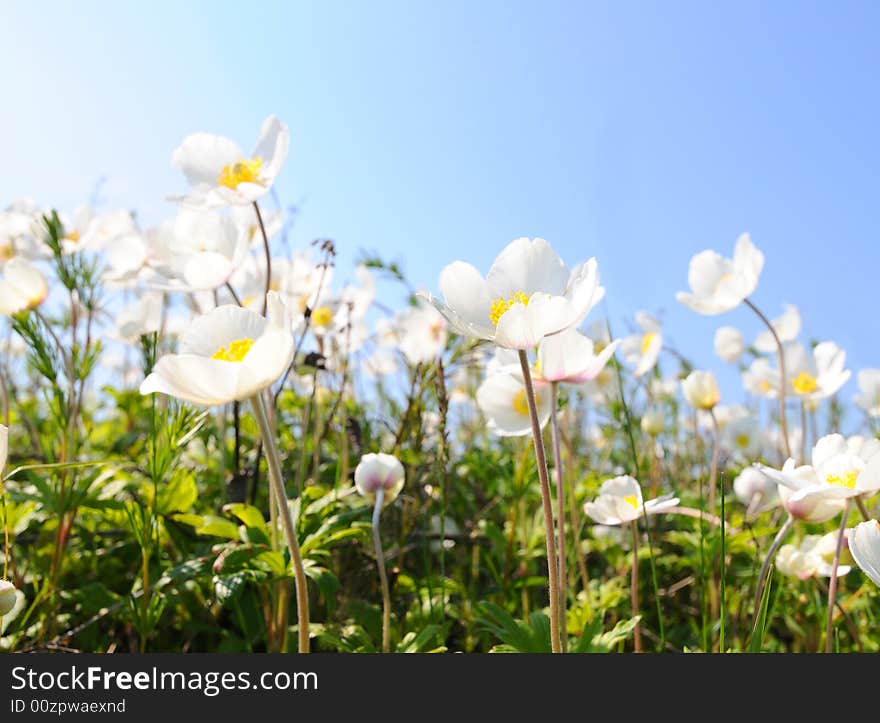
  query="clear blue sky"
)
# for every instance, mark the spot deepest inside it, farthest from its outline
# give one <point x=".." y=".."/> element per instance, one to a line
<point x="638" y="132"/>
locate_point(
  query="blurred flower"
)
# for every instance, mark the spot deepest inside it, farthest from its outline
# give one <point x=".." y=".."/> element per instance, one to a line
<point x="376" y="471"/>
<point x="719" y="284"/>
<point x="814" y="557"/>
<point x="528" y="294"/>
<point x="422" y="332"/>
<point x="761" y="379"/>
<point x="142" y="317"/>
<point x="4" y="447"/>
<point x="502" y="400"/>
<point x="756" y="491"/>
<point x="653" y="421"/>
<point x="22" y="288"/>
<point x="729" y="343"/>
<point x="228" y="354"/>
<point x="620" y="501"/>
<point x="221" y="175"/>
<point x="817" y="376"/>
<point x="787" y="328"/>
<point x="7" y="597"/>
<point x="864" y="544"/>
<point x="701" y="390"/>
<point x="868" y="397"/>
<point x="641" y="351"/>
<point x="381" y="363"/>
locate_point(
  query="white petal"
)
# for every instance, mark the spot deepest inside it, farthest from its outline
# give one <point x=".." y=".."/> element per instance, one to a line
<point x="202" y="156"/>
<point x="527" y="266"/>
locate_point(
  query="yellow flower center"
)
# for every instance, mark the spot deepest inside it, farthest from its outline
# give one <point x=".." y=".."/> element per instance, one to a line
<point x="501" y="305"/>
<point x="764" y="386"/>
<point x="632" y="500"/>
<point x="243" y="171"/>
<point x="6" y="252"/>
<point x="804" y="383"/>
<point x="235" y="352"/>
<point x="73" y="236"/>
<point x="521" y="403"/>
<point x="847" y="479"/>
<point x="647" y="340"/>
<point x="742" y="440"/>
<point x="322" y="316"/>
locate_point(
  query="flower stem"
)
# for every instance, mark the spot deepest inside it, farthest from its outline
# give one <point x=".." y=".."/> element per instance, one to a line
<point x="275" y="480"/>
<point x="268" y="257"/>
<point x="560" y="515"/>
<point x="543" y="476"/>
<point x="713" y="479"/>
<point x="782" y="381"/>
<point x="771" y="553"/>
<point x="383" y="576"/>
<point x="832" y="583"/>
<point x="634" y="586"/>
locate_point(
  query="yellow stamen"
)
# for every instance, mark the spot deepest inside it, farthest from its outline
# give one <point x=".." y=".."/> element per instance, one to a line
<point x="632" y="500"/>
<point x="742" y="440"/>
<point x="764" y="386"/>
<point x="73" y="236"/>
<point x="647" y="341"/>
<point x="6" y="252"/>
<point x="804" y="383"/>
<point x="243" y="171"/>
<point x="521" y="403"/>
<point x="501" y="305"/>
<point x="848" y="479"/>
<point x="235" y="352"/>
<point x="322" y="316"/>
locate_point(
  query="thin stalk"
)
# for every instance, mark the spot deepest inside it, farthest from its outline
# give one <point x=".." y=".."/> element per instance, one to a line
<point x="560" y="515"/>
<point x="832" y="583"/>
<point x="713" y="479"/>
<point x="780" y="352"/>
<point x="383" y="576"/>
<point x="273" y="462"/>
<point x="771" y="553"/>
<point x="634" y="586"/>
<point x="268" y="258"/>
<point x="546" y="502"/>
<point x="803" y="452"/>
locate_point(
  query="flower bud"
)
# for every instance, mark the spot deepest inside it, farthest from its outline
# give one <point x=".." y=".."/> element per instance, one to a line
<point x="7" y="597"/>
<point x="653" y="422"/>
<point x="701" y="390"/>
<point x="377" y="471"/>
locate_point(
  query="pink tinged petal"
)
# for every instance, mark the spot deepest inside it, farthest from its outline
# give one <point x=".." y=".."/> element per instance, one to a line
<point x="202" y="156"/>
<point x="864" y="544"/>
<point x="528" y="266"/>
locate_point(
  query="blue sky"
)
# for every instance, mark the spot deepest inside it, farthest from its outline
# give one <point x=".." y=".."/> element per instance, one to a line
<point x="636" y="132"/>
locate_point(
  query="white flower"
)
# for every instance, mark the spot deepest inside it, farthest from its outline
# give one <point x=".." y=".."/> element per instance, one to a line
<point x="142" y="317"/>
<point x="380" y="363"/>
<point x="701" y="390"/>
<point x="620" y="501"/>
<point x="22" y="288"/>
<point x="502" y="400"/>
<point x="741" y="433"/>
<point x="719" y="284"/>
<point x="814" y="557"/>
<point x="640" y="351"/>
<point x="228" y="354"/>
<point x="570" y="357"/>
<point x="376" y="471"/>
<point x="7" y="597"/>
<point x="653" y="421"/>
<point x="528" y="294"/>
<point x="219" y="172"/>
<point x="756" y="491"/>
<point x="864" y="545"/>
<point x="787" y="328"/>
<point x="422" y="333"/>
<point x="868" y="397"/>
<point x="817" y="492"/>
<point x="729" y="344"/>
<point x="817" y="376"/>
<point x="761" y="379"/>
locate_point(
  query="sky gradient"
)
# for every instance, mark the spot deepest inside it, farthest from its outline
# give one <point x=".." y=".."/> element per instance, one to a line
<point x="636" y="132"/>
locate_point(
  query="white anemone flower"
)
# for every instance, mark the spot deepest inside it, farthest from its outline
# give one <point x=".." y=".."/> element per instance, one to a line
<point x="719" y="284"/>
<point x="868" y="397"/>
<point x="864" y="545"/>
<point x="22" y="288"/>
<point x="422" y="334"/>
<point x="229" y="354"/>
<point x="378" y="470"/>
<point x="818" y="375"/>
<point x="728" y="343"/>
<point x="813" y="557"/>
<point x="700" y="390"/>
<point x="528" y="294"/>
<point x="502" y="400"/>
<point x="620" y="501"/>
<point x="761" y="379"/>
<point x="756" y="491"/>
<point x="220" y="174"/>
<point x="839" y="471"/>
<point x="787" y="328"/>
<point x="641" y="351"/>
<point x="142" y="317"/>
<point x="571" y="357"/>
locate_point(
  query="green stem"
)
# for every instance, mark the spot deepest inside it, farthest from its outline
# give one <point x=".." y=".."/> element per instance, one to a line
<point x="560" y="515"/>
<point x="832" y="583"/>
<point x="383" y="575"/>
